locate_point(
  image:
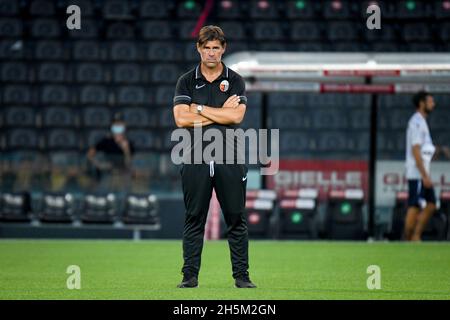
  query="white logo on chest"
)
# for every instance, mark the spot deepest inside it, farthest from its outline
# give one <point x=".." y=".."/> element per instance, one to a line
<point x="224" y="85"/>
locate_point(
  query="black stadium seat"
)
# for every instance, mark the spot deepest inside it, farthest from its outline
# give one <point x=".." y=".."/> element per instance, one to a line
<point x="120" y="30"/>
<point x="156" y="30"/>
<point x="441" y="137"/>
<point x="42" y="8"/>
<point x="363" y="143"/>
<point x="305" y="30"/>
<point x="445" y="31"/>
<point x="22" y="139"/>
<point x="191" y="54"/>
<point x="164" y="95"/>
<point x="441" y="9"/>
<point x="136" y="117"/>
<point x="141" y="209"/>
<point x="86" y="50"/>
<point x="164" y="51"/>
<point x="389" y="101"/>
<point x="46" y="28"/>
<point x="124" y="51"/>
<point x="49" y="50"/>
<point x="234" y="30"/>
<point x="154" y="9"/>
<point x="55" y="94"/>
<point x="232" y="46"/>
<point x="399" y="117"/>
<point x="386" y="47"/>
<point x="228" y="9"/>
<point x="127" y="73"/>
<point x="189" y="9"/>
<point x="267" y="31"/>
<point x="360" y="101"/>
<point x="142" y="139"/>
<point x="264" y="9"/>
<point x="337" y="9"/>
<point x="288" y="99"/>
<point x="338" y="31"/>
<point x="331" y="100"/>
<point x="11" y="28"/>
<point x="19" y="116"/>
<point x="96" y="117"/>
<point x="64" y="117"/>
<point x="116" y="9"/>
<point x="386" y="33"/>
<point x="14" y="72"/>
<point x="89" y="73"/>
<point x="9" y="8"/>
<point x="165" y="117"/>
<point x="93" y="94"/>
<point x="52" y="72"/>
<point x="131" y="95"/>
<point x="416" y="32"/>
<point x="90" y="29"/>
<point x="439" y="119"/>
<point x="300" y="9"/>
<point x="62" y="139"/>
<point x="17" y="94"/>
<point x="185" y="29"/>
<point x="411" y="10"/>
<point x="164" y="73"/>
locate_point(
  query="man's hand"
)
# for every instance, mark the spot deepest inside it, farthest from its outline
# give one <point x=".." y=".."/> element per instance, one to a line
<point x="427" y="183"/>
<point x="232" y="102"/>
<point x="124" y="145"/>
<point x="193" y="108"/>
<point x="186" y="116"/>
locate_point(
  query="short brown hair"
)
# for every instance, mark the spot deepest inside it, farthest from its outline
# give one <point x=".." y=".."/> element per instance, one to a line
<point x="419" y="97"/>
<point x="211" y="33"/>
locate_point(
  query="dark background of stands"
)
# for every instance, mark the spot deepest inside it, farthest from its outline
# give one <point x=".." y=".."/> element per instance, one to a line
<point x="59" y="87"/>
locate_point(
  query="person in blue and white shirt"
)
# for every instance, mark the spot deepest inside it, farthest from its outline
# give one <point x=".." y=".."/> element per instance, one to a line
<point x="419" y="152"/>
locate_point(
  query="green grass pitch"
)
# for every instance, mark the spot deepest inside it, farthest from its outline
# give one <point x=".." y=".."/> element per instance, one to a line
<point x="281" y="269"/>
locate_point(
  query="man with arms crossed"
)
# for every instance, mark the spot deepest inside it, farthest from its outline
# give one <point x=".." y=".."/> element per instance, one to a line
<point x="212" y="96"/>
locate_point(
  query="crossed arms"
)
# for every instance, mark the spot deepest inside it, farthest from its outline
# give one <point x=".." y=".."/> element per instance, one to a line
<point x="232" y="112"/>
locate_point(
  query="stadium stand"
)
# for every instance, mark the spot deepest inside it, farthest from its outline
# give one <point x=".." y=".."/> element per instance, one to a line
<point x="60" y="88"/>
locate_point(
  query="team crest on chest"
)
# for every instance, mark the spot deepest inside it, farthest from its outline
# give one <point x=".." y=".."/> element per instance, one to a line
<point x="224" y="85"/>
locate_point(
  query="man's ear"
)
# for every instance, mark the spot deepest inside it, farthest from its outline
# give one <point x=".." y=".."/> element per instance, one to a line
<point x="198" y="47"/>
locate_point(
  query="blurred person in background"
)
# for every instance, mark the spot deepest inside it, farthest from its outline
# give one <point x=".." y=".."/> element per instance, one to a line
<point x="114" y="169"/>
<point x="419" y="153"/>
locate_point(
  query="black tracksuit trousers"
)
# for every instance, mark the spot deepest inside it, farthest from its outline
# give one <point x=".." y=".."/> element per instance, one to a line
<point x="230" y="183"/>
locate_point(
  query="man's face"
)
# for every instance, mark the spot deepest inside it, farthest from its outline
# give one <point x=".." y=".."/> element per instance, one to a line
<point x="211" y="53"/>
<point x="429" y="104"/>
<point x="118" y="128"/>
